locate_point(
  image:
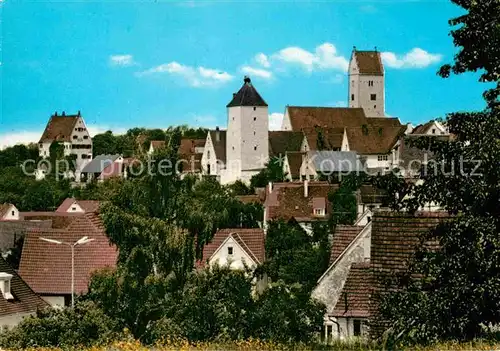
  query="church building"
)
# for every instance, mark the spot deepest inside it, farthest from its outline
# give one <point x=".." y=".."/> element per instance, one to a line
<point x="242" y="150"/>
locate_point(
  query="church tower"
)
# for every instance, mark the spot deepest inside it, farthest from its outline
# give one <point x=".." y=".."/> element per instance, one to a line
<point x="247" y="138"/>
<point x="366" y="82"/>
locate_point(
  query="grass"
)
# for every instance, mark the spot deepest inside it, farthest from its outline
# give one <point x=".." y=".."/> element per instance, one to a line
<point x="252" y="345"/>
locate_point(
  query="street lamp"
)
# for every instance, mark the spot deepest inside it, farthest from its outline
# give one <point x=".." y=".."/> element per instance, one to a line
<point x="81" y="241"/>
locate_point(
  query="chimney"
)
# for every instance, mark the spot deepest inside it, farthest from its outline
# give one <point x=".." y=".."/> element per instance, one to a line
<point x="63" y="113"/>
<point x="55" y="114"/>
<point x="270" y="187"/>
<point x="5" y="280"/>
<point x="306" y="188"/>
<point x="78" y="113"/>
<point x="217" y="134"/>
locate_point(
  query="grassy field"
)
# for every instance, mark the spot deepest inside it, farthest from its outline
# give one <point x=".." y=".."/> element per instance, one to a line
<point x="252" y="345"/>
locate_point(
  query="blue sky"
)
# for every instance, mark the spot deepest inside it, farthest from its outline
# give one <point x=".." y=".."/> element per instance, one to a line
<point x="154" y="64"/>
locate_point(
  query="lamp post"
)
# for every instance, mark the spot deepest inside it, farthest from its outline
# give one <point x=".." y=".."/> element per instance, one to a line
<point x="81" y="241"/>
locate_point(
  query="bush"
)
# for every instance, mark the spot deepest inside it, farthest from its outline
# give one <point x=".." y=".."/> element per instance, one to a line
<point x="84" y="325"/>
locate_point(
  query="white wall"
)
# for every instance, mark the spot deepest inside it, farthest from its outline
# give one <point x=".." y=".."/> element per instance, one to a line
<point x="236" y="259"/>
<point x="75" y="208"/>
<point x="360" y="88"/>
<point x="54" y="301"/>
<point x="44" y="149"/>
<point x="80" y="137"/>
<point x="12" y="214"/>
<point x="343" y="328"/>
<point x="10" y="321"/>
<point x="248" y="134"/>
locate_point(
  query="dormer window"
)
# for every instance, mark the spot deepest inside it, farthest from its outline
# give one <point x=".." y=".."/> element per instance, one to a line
<point x="319" y="211"/>
<point x="319" y="206"/>
<point x="5" y="279"/>
<point x="73" y="208"/>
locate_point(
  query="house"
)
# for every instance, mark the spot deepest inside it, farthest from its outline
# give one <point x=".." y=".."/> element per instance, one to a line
<point x="235" y="246"/>
<point x="324" y="164"/>
<point x="364" y="260"/>
<point x="375" y="139"/>
<point x="17" y="299"/>
<point x="351" y="246"/>
<point x="9" y="212"/>
<point x="72" y="205"/>
<point x="240" y="248"/>
<point x="305" y="202"/>
<point x="72" y="133"/>
<point x="156" y="145"/>
<point x="431" y="128"/>
<point x="214" y="153"/>
<point x="46" y="267"/>
<point x="104" y="167"/>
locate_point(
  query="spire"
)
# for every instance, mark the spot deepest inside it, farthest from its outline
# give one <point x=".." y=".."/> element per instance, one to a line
<point x="247" y="95"/>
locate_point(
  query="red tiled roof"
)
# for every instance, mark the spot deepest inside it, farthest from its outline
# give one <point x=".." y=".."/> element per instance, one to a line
<point x="46" y="267"/>
<point x="281" y="142"/>
<point x="59" y="220"/>
<point x="86" y="205"/>
<point x="287" y="201"/>
<point x="321" y="138"/>
<point x="248" y="199"/>
<point x="25" y="300"/>
<point x="394" y="240"/>
<point x="354" y="301"/>
<point x="218" y="138"/>
<point x="295" y="160"/>
<point x="59" y="128"/>
<point x="369" y="62"/>
<point x="252" y="240"/>
<point x="343" y="236"/>
<point x="188" y="146"/>
<point x="365" y="135"/>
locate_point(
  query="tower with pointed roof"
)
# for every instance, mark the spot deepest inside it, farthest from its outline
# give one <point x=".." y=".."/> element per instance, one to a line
<point x="247" y="139"/>
<point x="366" y="82"/>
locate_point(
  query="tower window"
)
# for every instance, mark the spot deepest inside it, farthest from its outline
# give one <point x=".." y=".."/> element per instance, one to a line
<point x="433" y="131"/>
<point x="352" y="97"/>
<point x="254" y="132"/>
<point x="373" y="97"/>
<point x="254" y="108"/>
<point x="370" y="83"/>
<point x="255" y="147"/>
<point x="255" y="118"/>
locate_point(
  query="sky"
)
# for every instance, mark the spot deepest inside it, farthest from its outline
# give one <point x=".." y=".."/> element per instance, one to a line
<point x="153" y="64"/>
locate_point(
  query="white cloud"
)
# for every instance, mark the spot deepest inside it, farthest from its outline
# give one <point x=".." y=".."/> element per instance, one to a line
<point x="193" y="76"/>
<point x="22" y="137"/>
<point x="275" y="120"/>
<point x="121" y="60"/>
<point x="262" y="60"/>
<point x="257" y="72"/>
<point x="325" y="57"/>
<point x="415" y="58"/>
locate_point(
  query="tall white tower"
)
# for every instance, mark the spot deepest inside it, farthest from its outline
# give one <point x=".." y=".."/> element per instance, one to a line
<point x="366" y="82"/>
<point x="247" y="138"/>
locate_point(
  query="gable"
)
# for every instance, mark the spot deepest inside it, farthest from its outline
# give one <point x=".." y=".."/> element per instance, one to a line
<point x="239" y="258"/>
<point x="59" y="128"/>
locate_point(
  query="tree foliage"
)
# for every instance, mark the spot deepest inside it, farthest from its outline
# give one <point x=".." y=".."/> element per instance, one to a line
<point x="273" y="172"/>
<point x="294" y="256"/>
<point x="455" y="290"/>
<point x="82" y="326"/>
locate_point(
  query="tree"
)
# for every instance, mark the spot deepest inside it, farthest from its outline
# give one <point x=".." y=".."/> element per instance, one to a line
<point x="294" y="256"/>
<point x="344" y="202"/>
<point x="84" y="325"/>
<point x="454" y="292"/>
<point x="273" y="172"/>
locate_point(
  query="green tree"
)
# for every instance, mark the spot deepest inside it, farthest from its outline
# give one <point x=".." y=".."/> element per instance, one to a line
<point x="273" y="172"/>
<point x="294" y="256"/>
<point x="84" y="325"/>
<point x="455" y="290"/>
